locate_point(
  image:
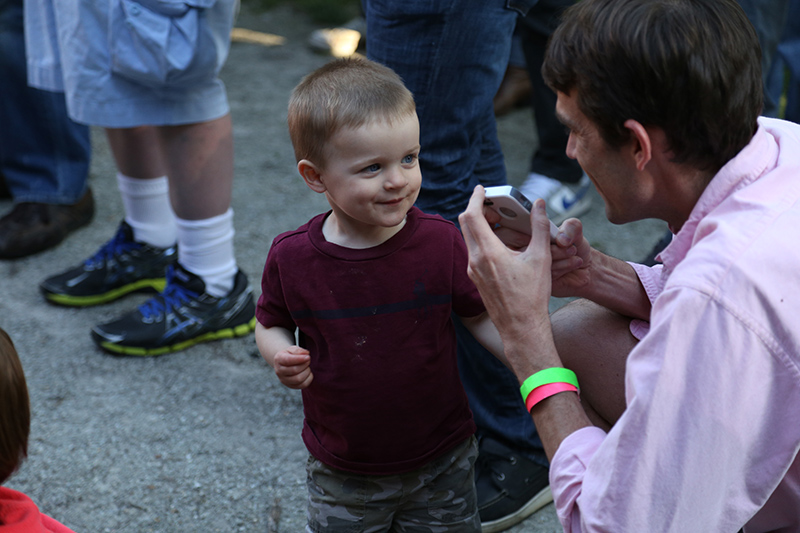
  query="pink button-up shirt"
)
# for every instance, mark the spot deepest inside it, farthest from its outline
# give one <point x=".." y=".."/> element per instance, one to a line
<point x="709" y="440"/>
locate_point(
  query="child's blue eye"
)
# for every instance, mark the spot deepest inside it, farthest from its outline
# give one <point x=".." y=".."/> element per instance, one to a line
<point x="373" y="168"/>
<point x="409" y="158"/>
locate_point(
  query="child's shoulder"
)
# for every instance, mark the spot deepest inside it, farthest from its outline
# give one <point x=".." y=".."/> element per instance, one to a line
<point x="436" y="221"/>
<point x="435" y="224"/>
<point x="291" y="237"/>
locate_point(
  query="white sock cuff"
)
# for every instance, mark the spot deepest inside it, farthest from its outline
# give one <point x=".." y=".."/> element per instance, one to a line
<point x="139" y="188"/>
<point x="205" y="247"/>
<point x="147" y="209"/>
<point x="207" y="232"/>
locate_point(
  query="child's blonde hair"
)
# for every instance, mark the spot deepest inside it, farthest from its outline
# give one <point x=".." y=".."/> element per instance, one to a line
<point x="345" y="93"/>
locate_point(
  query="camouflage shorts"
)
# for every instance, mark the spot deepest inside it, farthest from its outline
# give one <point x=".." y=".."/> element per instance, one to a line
<point x="439" y="497"/>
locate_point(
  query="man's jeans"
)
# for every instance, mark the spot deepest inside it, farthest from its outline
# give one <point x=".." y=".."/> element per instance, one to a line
<point x="452" y="55"/>
<point x="44" y="155"/>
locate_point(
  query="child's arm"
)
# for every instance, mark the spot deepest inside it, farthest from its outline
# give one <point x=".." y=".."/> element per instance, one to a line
<point x="485" y="332"/>
<point x="292" y="363"/>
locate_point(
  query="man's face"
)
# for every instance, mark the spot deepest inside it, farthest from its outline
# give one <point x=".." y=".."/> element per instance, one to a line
<point x="610" y="169"/>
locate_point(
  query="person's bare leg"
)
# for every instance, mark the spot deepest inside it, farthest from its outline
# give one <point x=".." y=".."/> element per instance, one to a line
<point x="137" y="152"/>
<point x="199" y="163"/>
<point x="595" y="342"/>
<point x="143" y="184"/>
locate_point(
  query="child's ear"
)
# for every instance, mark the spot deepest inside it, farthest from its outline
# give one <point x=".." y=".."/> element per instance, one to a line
<point x="311" y="175"/>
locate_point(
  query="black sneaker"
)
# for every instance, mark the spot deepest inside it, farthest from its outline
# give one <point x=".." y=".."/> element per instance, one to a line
<point x="510" y="487"/>
<point x="120" y="266"/>
<point x="181" y="316"/>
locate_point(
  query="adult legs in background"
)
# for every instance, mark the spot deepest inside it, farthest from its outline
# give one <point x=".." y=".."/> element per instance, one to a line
<point x="553" y="176"/>
<point x="768" y="18"/>
<point x="44" y="155"/>
<point x="171" y="136"/>
<point x="784" y="77"/>
<point x="186" y="170"/>
<point x="197" y="160"/>
<point x="453" y="57"/>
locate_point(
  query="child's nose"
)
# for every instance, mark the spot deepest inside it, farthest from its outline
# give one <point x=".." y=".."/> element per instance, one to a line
<point x="396" y="179"/>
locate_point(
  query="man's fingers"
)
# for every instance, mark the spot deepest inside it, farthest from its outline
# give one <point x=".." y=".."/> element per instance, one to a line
<point x="474" y="226"/>
<point x="473" y="215"/>
<point x="540" y="226"/>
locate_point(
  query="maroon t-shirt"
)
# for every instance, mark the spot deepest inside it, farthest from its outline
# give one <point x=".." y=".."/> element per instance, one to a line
<point x="386" y="396"/>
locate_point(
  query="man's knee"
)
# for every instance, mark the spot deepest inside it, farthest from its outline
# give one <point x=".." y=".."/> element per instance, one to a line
<point x="594" y="342"/>
<point x="582" y="325"/>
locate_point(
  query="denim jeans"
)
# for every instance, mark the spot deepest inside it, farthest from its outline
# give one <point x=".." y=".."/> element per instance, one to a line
<point x="787" y="65"/>
<point x="44" y="155"/>
<point x="768" y="18"/>
<point x="452" y="55"/>
<point x="550" y="158"/>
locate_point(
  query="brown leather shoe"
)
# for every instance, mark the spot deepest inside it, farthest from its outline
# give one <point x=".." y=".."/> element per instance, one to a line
<point x="32" y="227"/>
<point x="514" y="91"/>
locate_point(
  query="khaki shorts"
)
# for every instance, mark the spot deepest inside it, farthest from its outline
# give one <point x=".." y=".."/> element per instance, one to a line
<point x="439" y="497"/>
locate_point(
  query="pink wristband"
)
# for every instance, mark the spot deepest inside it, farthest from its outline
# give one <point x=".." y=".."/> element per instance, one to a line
<point x="545" y="391"/>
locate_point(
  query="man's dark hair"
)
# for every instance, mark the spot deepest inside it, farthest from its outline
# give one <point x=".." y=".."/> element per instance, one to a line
<point x="689" y="67"/>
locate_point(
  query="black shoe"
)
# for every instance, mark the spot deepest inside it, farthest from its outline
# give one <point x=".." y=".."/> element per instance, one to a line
<point x="32" y="227"/>
<point x="122" y="265"/>
<point x="181" y="316"/>
<point x="510" y="487"/>
<point x="5" y="194"/>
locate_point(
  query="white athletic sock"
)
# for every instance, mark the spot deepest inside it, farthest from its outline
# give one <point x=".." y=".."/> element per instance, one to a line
<point x="148" y="210"/>
<point x="205" y="248"/>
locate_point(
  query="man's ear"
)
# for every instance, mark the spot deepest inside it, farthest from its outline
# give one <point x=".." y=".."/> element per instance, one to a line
<point x="312" y="175"/>
<point x="642" y="146"/>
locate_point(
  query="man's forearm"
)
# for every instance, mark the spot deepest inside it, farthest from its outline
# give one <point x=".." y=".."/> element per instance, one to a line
<point x="616" y="286"/>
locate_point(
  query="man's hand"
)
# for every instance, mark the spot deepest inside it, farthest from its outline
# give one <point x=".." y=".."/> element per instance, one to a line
<point x="515" y="286"/>
<point x="571" y="253"/>
<point x="572" y="260"/>
<point x="293" y="367"/>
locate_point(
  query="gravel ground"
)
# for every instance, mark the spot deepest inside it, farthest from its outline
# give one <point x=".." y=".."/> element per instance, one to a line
<point x="206" y="439"/>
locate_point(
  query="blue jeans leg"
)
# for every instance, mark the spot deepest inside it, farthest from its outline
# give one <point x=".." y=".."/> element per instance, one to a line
<point x="44" y="155"/>
<point x="452" y="55"/>
<point x="768" y="18"/>
<point x="789" y="54"/>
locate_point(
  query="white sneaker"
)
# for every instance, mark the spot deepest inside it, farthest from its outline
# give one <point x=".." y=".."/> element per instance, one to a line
<point x="539" y="186"/>
<point x="339" y="42"/>
<point x="563" y="201"/>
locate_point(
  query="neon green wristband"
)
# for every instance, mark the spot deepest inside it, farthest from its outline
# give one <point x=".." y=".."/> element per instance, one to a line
<point x="555" y="374"/>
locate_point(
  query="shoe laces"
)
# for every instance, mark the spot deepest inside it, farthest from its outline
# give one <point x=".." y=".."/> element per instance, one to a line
<point x="488" y="463"/>
<point x="174" y="295"/>
<point x="118" y="245"/>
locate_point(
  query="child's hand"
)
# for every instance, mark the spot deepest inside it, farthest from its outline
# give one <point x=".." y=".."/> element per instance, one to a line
<point x="293" y="367"/>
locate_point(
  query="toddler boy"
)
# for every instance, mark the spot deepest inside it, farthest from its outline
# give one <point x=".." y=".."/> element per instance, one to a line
<point x="371" y="286"/>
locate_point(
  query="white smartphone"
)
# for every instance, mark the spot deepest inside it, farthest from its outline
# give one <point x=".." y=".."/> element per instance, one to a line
<point x="514" y="209"/>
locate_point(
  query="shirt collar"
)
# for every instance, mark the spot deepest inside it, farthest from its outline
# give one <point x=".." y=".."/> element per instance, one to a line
<point x="760" y="154"/>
